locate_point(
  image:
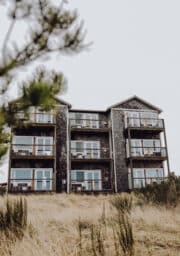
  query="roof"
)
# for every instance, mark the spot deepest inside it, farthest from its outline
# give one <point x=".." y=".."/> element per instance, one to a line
<point x="87" y="110"/>
<point x="138" y="99"/>
<point x="63" y="102"/>
<point x="56" y="98"/>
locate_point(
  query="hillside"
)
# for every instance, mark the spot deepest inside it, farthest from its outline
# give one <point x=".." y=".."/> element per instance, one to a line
<point x="54" y="222"/>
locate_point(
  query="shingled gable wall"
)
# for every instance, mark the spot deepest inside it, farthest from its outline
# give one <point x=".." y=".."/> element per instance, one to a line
<point x="119" y="140"/>
<point x="135" y="104"/>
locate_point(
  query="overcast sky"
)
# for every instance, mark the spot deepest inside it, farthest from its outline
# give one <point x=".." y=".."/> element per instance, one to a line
<point x="136" y="50"/>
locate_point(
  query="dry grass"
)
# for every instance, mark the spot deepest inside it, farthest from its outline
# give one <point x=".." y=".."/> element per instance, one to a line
<point x="54" y="220"/>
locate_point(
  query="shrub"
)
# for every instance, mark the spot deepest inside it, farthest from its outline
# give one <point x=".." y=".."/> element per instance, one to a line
<point x="14" y="216"/>
<point x="168" y="192"/>
<point x="122" y="226"/>
<point x="122" y="203"/>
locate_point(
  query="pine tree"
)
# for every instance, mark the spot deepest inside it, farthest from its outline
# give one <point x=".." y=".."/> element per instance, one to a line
<point x="54" y="30"/>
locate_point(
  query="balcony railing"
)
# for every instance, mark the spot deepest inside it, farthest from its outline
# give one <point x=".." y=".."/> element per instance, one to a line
<point x="152" y="152"/>
<point x="86" y="185"/>
<point x="29" y="179"/>
<point x="38" y="117"/>
<point x="89" y="124"/>
<point x="89" y="153"/>
<point x="143" y="182"/>
<point x="32" y="150"/>
<point x="18" y="185"/>
<point x="145" y="123"/>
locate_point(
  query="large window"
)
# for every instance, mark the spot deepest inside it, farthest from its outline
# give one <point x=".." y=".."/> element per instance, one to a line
<point x="86" y="179"/>
<point x="44" y="146"/>
<point x="43" y="179"/>
<point x="21" y="178"/>
<point x="31" y="179"/>
<point x="44" y="117"/>
<point x="136" y="148"/>
<point x="142" y="177"/>
<point x="147" y="147"/>
<point x="143" y="118"/>
<point x="89" y="120"/>
<point x="23" y="145"/>
<point x="85" y="149"/>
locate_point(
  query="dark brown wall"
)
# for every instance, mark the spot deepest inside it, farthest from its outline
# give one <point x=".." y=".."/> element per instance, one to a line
<point x="147" y="164"/>
<point x="61" y="148"/>
<point x="35" y="131"/>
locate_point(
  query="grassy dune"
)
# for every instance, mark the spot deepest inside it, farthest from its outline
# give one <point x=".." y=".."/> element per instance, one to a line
<point x="54" y="227"/>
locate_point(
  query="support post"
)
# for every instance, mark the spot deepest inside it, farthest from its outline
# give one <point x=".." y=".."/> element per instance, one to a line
<point x="131" y="161"/>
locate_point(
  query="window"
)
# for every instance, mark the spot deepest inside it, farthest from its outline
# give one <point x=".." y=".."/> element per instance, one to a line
<point x="92" y="120"/>
<point x="23" y="145"/>
<point x="134" y="119"/>
<point x="21" y="178"/>
<point x="21" y="173"/>
<point x="136" y="148"/>
<point x="87" y="179"/>
<point x="142" y="177"/>
<point x="143" y="118"/>
<point x="147" y="147"/>
<point x="149" y="119"/>
<point x="43" y="179"/>
<point x="152" y="147"/>
<point x="88" y="120"/>
<point x="44" y="146"/>
<point x="154" y="175"/>
<point x="85" y="149"/>
<point x="138" y="178"/>
<point x="43" y="116"/>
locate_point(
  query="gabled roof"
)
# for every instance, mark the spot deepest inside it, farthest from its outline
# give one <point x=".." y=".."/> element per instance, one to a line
<point x="60" y="101"/>
<point x="138" y="99"/>
<point x="63" y="102"/>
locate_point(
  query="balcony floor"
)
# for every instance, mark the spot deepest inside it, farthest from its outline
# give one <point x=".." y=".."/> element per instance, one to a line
<point x="90" y="130"/>
<point x="96" y="160"/>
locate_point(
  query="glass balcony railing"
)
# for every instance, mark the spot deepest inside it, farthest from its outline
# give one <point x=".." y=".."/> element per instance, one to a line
<point x="89" y="124"/>
<point x="141" y="177"/>
<point x="38" y="117"/>
<point x="32" y="150"/>
<point x="145" y="123"/>
<point x="89" y="153"/>
<point x="148" y="152"/>
<point x="143" y="182"/>
<point x="86" y="185"/>
<point x="27" y="179"/>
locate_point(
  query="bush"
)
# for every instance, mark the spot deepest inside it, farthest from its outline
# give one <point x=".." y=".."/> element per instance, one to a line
<point x="168" y="192"/>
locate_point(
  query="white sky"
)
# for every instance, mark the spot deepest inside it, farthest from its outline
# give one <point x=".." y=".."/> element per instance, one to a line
<point x="136" y="50"/>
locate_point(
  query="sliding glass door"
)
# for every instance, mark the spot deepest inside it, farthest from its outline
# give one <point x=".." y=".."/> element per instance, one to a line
<point x="43" y="179"/>
<point x="89" y="180"/>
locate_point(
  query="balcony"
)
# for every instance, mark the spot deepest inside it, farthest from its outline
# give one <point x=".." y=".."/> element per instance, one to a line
<point x="28" y="180"/>
<point x="89" y="181"/>
<point x="89" y="154"/>
<point x="91" y="125"/>
<point x="143" y="182"/>
<point x="32" y="151"/>
<point x="145" y="123"/>
<point x="41" y="118"/>
<point x="148" y="153"/>
<point x="142" y="177"/>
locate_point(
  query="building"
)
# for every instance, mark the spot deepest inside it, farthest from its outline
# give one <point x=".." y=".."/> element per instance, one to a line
<point x="68" y="150"/>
